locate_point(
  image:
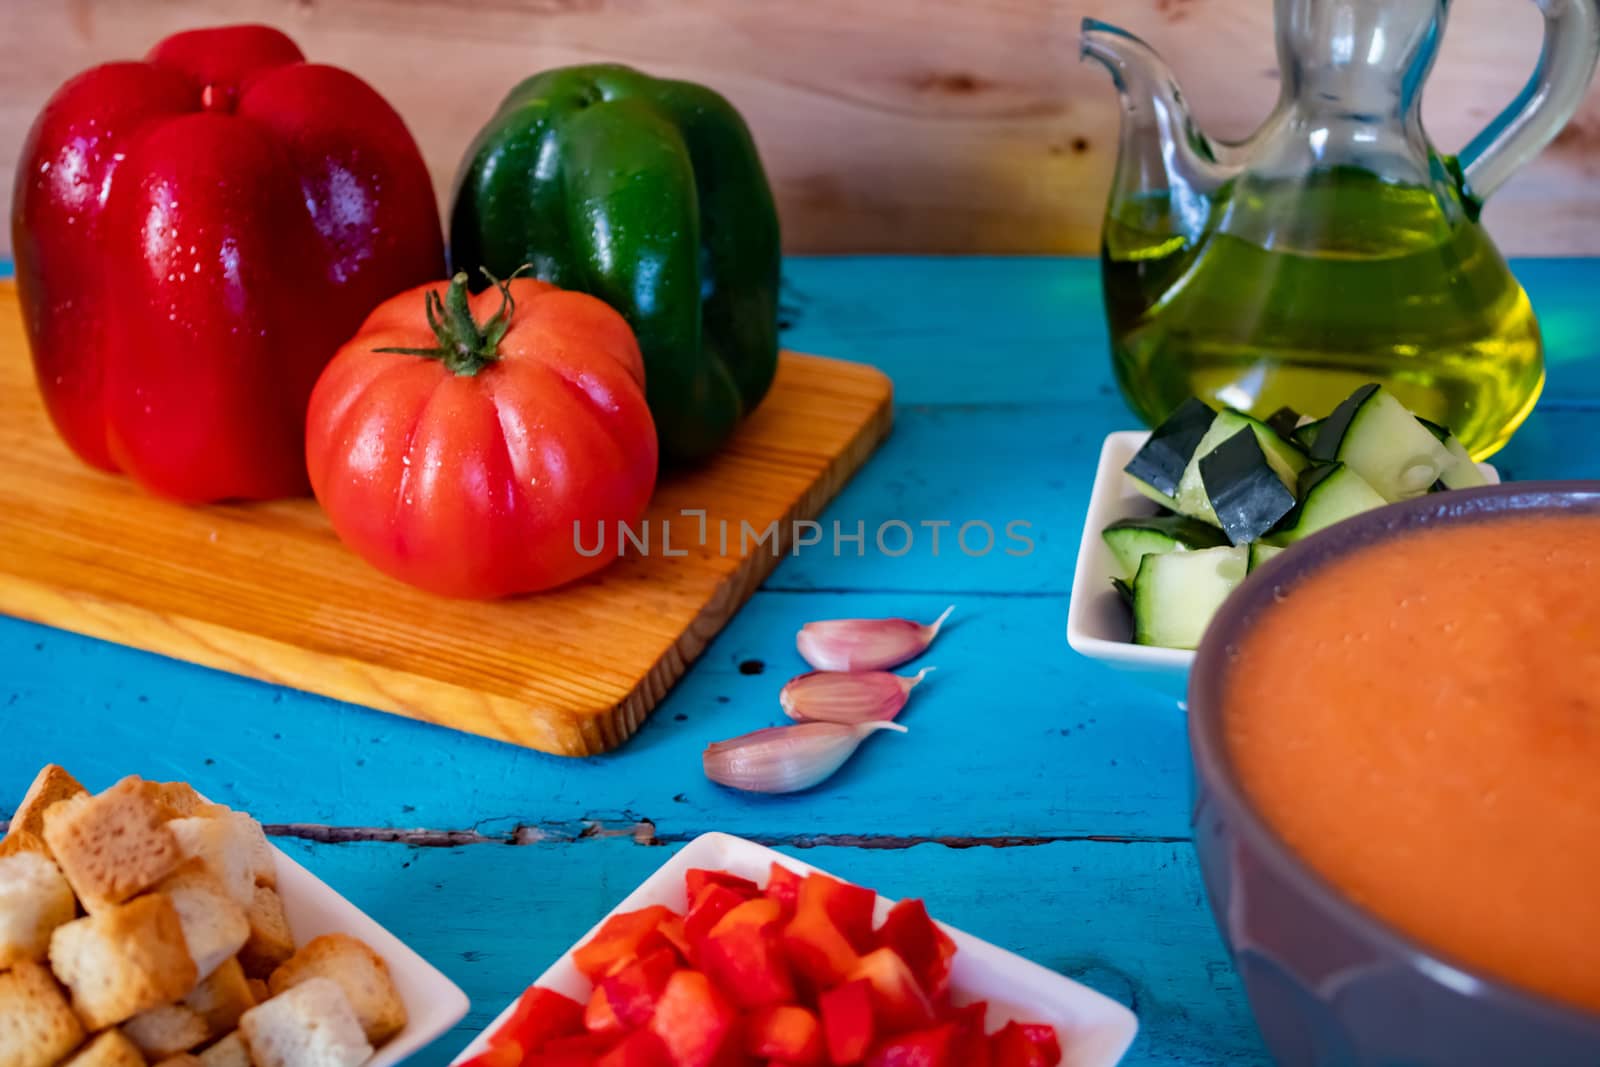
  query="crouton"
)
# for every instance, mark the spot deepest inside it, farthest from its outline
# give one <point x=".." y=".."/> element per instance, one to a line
<point x="177" y="800"/>
<point x="123" y="960"/>
<point x="214" y="925"/>
<point x="223" y="845"/>
<point x="311" y="1025"/>
<point x="37" y="1028"/>
<point x="231" y="1051"/>
<point x="22" y="841"/>
<point x="271" y="942"/>
<point x="360" y="972"/>
<point x="182" y="1059"/>
<point x="111" y="846"/>
<point x="166" y="1031"/>
<point x="258" y="989"/>
<point x="49" y="785"/>
<point x="223" y="997"/>
<point x="34" y="900"/>
<point x="109" y="1048"/>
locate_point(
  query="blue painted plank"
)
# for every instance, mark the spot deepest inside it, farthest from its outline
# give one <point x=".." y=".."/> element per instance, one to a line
<point x="1063" y="749"/>
<point x="1129" y="920"/>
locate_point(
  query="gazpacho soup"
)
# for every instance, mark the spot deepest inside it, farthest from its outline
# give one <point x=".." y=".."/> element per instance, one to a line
<point x="1420" y="721"/>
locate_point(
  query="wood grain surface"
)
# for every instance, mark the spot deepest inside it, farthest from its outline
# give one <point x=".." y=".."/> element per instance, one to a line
<point x="895" y="125"/>
<point x="1039" y="800"/>
<point x="266" y="590"/>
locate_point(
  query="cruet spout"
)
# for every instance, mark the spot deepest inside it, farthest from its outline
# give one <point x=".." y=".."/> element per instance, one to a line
<point x="1167" y="168"/>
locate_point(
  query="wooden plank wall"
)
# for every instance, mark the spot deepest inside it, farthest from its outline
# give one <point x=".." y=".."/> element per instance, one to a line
<point x="887" y="125"/>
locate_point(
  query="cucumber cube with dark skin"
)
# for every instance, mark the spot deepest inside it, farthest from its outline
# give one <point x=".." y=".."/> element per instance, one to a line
<point x="1306" y="436"/>
<point x="1284" y="422"/>
<point x="1245" y="492"/>
<point x="1160" y="463"/>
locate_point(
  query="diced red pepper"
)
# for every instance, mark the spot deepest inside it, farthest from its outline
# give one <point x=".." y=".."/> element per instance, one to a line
<point x="618" y="940"/>
<point x="817" y="948"/>
<point x="697" y="879"/>
<point x="675" y="932"/>
<point x="922" y="1048"/>
<point x="847" y="1022"/>
<point x="1010" y="1046"/>
<point x="540" y="1014"/>
<point x="849" y="906"/>
<point x="707" y="910"/>
<point x="1046" y="1040"/>
<point x="787" y="1033"/>
<point x="783" y="885"/>
<point x="579" y="1051"/>
<point x="898" y="1002"/>
<point x="598" y="1015"/>
<point x="632" y="992"/>
<point x="927" y="950"/>
<point x="970" y="1046"/>
<point x="694" y="1021"/>
<point x="639" y="1049"/>
<point x="744" y="955"/>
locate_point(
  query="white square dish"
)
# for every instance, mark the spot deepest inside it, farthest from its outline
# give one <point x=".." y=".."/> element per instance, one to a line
<point x="433" y="1003"/>
<point x="1098" y="625"/>
<point x="1095" y="1030"/>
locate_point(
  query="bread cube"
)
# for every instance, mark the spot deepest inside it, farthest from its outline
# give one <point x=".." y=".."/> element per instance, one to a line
<point x="177" y="800"/>
<point x="166" y="1031"/>
<point x="182" y="1059"/>
<point x="124" y="960"/>
<point x="223" y="997"/>
<point x="214" y="924"/>
<point x="22" y="841"/>
<point x="360" y="972"/>
<point x="49" y="785"/>
<point x="231" y="1051"/>
<point x="37" y="1028"/>
<point x="271" y="942"/>
<point x="258" y="989"/>
<point x="111" y="846"/>
<point x="109" y="1048"/>
<point x="227" y="844"/>
<point x="34" y="900"/>
<point x="310" y="1025"/>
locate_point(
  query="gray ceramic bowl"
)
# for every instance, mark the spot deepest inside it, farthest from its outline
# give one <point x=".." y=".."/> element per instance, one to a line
<point x="1329" y="983"/>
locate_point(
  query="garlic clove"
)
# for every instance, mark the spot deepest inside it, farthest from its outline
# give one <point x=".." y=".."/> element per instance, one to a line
<point x="865" y="644"/>
<point x="787" y="759"/>
<point x="847" y="696"/>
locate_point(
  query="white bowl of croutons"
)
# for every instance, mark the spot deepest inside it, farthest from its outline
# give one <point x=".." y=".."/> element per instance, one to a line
<point x="146" y="925"/>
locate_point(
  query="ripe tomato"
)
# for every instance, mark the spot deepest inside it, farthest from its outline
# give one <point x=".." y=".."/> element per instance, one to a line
<point x="456" y="441"/>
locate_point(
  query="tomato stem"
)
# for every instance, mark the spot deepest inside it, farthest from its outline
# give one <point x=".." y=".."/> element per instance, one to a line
<point x="464" y="346"/>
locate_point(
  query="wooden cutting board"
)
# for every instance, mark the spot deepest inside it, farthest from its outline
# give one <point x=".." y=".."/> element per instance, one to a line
<point x="266" y="590"/>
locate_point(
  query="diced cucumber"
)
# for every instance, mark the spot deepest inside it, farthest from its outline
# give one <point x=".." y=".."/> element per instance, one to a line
<point x="1246" y="494"/>
<point x="1284" y="422"/>
<point x="1260" y="552"/>
<point x="1176" y="594"/>
<point x="1462" y="473"/>
<point x="1130" y="540"/>
<point x="1328" y="495"/>
<point x="1159" y="465"/>
<point x="1305" y="435"/>
<point x="1375" y="436"/>
<point x="1283" y="457"/>
<point x="1124" y="591"/>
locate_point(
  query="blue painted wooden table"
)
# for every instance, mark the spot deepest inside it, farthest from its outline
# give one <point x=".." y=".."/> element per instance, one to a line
<point x="1038" y="801"/>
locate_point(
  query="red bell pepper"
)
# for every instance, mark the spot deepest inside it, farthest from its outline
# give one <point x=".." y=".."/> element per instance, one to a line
<point x="634" y="991"/>
<point x="899" y="1003"/>
<point x="619" y="941"/>
<point x="847" y="1024"/>
<point x="744" y="955"/>
<point x="787" y="1033"/>
<point x="927" y="950"/>
<point x="195" y="236"/>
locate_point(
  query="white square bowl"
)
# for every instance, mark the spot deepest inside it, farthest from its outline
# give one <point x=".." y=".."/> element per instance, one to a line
<point x="433" y="1003"/>
<point x="1098" y="625"/>
<point x="1095" y="1030"/>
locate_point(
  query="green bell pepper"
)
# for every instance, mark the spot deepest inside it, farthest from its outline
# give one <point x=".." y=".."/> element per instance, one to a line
<point x="648" y="194"/>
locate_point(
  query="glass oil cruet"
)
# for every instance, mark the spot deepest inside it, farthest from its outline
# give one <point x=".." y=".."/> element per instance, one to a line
<point x="1334" y="246"/>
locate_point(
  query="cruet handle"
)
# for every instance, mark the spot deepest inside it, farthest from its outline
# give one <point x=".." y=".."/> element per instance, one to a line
<point x="1551" y="97"/>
